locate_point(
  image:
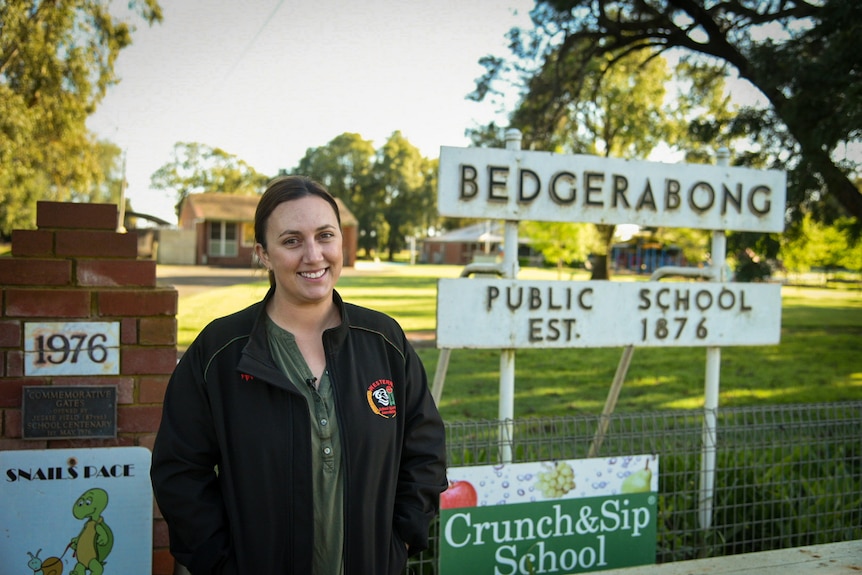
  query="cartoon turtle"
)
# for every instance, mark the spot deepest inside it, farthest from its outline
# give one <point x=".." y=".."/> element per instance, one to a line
<point x="96" y="539"/>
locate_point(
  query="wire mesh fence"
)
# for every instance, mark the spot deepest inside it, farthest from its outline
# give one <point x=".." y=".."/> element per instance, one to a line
<point x="785" y="475"/>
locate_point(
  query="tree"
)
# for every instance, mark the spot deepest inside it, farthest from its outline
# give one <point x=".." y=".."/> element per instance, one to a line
<point x="198" y="168"/>
<point x="344" y="166"/>
<point x="391" y="191"/>
<point x="850" y="255"/>
<point x="814" y="244"/>
<point x="802" y="56"/>
<point x="429" y="220"/>
<point x="561" y="243"/>
<point x="401" y="172"/>
<point x="56" y="62"/>
<point x="108" y="181"/>
<point x="612" y="111"/>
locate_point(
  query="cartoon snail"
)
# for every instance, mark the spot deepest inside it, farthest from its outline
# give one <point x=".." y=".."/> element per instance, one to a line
<point x="50" y="566"/>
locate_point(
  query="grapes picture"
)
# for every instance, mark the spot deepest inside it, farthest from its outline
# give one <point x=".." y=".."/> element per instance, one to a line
<point x="557" y="481"/>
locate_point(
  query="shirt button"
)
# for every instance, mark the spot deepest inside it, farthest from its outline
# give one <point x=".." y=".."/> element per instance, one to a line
<point x="327" y="450"/>
<point x="323" y="421"/>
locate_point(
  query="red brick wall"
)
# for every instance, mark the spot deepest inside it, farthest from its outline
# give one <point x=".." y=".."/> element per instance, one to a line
<point x="76" y="267"/>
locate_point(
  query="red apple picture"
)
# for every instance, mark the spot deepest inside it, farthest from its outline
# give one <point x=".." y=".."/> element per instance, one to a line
<point x="458" y="494"/>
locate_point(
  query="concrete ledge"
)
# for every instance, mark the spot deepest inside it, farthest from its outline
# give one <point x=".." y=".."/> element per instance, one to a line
<point x="830" y="559"/>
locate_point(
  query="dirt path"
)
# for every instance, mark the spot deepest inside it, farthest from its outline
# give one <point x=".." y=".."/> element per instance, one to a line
<point x="189" y="280"/>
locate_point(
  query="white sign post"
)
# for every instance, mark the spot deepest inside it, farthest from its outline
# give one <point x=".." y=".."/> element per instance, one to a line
<point x="515" y="185"/>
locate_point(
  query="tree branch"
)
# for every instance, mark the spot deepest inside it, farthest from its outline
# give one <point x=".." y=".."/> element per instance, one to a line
<point x="34" y="21"/>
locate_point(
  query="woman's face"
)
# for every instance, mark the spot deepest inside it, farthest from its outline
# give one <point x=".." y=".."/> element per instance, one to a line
<point x="303" y="249"/>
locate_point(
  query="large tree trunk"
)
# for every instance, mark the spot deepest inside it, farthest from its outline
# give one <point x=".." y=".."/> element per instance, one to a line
<point x="838" y="184"/>
<point x="602" y="257"/>
<point x="601" y="270"/>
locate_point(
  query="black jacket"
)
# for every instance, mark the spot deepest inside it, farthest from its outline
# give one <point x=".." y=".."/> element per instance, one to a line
<point x="228" y="406"/>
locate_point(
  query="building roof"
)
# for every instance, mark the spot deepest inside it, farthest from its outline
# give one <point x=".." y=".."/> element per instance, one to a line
<point x="214" y="206"/>
<point x="488" y="231"/>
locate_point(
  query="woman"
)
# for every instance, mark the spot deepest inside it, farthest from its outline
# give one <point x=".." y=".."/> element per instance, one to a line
<point x="299" y="435"/>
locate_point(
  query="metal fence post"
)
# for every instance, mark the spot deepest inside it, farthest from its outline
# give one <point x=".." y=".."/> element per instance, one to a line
<point x="711" y="385"/>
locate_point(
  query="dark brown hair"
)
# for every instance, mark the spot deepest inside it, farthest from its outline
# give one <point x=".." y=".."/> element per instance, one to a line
<point x="285" y="189"/>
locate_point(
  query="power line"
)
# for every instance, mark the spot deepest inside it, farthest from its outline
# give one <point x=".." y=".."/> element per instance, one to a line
<point x="254" y="39"/>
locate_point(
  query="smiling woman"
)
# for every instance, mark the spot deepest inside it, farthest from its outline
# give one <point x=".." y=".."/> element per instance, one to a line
<point x="359" y="456"/>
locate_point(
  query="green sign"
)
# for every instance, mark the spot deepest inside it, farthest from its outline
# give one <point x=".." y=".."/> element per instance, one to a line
<point x="565" y="517"/>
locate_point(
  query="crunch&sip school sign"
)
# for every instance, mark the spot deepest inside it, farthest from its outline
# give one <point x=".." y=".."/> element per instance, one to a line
<point x="550" y="518"/>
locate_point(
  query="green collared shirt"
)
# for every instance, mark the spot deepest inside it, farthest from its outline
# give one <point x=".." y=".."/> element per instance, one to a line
<point x="328" y="495"/>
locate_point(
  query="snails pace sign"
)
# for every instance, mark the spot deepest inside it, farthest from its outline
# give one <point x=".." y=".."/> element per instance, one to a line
<point x="76" y="511"/>
<point x="542" y="186"/>
<point x="506" y="313"/>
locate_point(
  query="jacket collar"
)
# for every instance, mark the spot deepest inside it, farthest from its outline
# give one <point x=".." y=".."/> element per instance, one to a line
<point x="257" y="347"/>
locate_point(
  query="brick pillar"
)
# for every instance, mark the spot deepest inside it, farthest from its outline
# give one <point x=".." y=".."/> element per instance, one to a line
<point x="76" y="267"/>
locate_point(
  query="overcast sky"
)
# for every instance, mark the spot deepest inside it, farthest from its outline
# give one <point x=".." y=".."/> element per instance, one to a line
<point x="267" y="79"/>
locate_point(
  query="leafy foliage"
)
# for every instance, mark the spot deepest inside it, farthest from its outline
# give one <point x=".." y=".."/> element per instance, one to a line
<point x="750" y="268"/>
<point x="814" y="244"/>
<point x="408" y="187"/>
<point x="561" y="243"/>
<point x="800" y="55"/>
<point x="56" y="62"/>
<point x="344" y="166"/>
<point x="198" y="168"/>
<point x="617" y="110"/>
<point x="391" y="191"/>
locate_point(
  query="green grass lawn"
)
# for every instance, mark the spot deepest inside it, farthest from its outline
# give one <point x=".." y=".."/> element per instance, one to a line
<point x="819" y="358"/>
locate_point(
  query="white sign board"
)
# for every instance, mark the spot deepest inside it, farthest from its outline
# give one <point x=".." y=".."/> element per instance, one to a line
<point x="505" y="313"/>
<point x="72" y="348"/>
<point x="64" y="510"/>
<point x="522" y="185"/>
<point x="551" y="517"/>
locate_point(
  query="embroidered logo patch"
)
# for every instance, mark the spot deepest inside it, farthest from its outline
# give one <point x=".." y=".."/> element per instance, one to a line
<point x="381" y="398"/>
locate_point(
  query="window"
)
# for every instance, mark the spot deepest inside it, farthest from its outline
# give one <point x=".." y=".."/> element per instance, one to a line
<point x="222" y="239"/>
